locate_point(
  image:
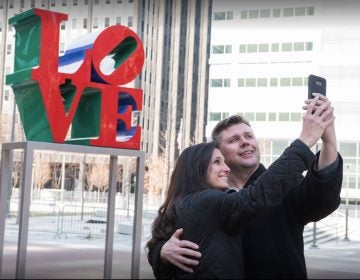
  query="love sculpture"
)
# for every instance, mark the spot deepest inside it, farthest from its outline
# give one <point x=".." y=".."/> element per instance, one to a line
<point x="53" y="96"/>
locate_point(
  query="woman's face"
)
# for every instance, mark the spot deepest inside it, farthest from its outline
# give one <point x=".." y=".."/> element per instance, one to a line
<point x="218" y="171"/>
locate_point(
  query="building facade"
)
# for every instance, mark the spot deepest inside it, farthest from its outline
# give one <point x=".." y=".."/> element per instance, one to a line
<point x="261" y="55"/>
<point x="175" y="35"/>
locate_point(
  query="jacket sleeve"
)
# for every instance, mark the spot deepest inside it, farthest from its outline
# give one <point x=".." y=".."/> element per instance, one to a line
<point x="160" y="270"/>
<point x="270" y="188"/>
<point x="318" y="195"/>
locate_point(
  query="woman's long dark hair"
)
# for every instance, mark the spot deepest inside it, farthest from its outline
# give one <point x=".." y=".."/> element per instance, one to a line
<point x="189" y="176"/>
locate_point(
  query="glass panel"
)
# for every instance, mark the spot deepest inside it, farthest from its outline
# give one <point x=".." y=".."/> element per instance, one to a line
<point x="253" y="13"/>
<point x="250" y="82"/>
<point x="263" y="47"/>
<point x="272" y="117"/>
<point x="286" y="47"/>
<point x="262" y="82"/>
<point x="297" y="81"/>
<point x="275" y="47"/>
<point x="285" y="82"/>
<point x="242" y="48"/>
<point x="273" y="82"/>
<point x="288" y="12"/>
<point x="279" y="146"/>
<point x="216" y="82"/>
<point x="300" y="11"/>
<point x="299" y="46"/>
<point x="347" y="149"/>
<point x="219" y="16"/>
<point x="244" y="14"/>
<point x="241" y="82"/>
<point x="251" y="48"/>
<point x="284" y="117"/>
<point x="276" y="12"/>
<point x="217" y="49"/>
<point x="265" y="13"/>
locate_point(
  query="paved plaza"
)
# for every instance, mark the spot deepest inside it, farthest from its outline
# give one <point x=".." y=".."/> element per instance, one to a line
<point x="83" y="258"/>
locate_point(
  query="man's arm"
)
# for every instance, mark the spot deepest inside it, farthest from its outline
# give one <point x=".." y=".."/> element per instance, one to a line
<point x="174" y="252"/>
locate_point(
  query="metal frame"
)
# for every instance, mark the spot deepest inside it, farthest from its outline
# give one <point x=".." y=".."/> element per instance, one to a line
<point x="29" y="147"/>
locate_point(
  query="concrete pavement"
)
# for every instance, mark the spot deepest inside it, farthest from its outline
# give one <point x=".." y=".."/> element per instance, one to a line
<point x="75" y="258"/>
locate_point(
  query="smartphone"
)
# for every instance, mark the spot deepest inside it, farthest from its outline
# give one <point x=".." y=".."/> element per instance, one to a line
<point x="316" y="84"/>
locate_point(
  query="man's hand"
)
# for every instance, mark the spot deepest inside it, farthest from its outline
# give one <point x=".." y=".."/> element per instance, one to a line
<point x="178" y="251"/>
<point x="328" y="152"/>
<point x="318" y="116"/>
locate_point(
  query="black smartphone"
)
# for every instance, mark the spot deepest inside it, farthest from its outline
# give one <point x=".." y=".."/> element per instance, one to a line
<point x="316" y="84"/>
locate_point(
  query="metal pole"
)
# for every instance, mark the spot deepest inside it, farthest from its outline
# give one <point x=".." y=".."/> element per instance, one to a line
<point x="346" y="238"/>
<point x="314" y="245"/>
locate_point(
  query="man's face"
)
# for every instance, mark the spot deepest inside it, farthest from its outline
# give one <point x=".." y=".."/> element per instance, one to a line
<point x="240" y="147"/>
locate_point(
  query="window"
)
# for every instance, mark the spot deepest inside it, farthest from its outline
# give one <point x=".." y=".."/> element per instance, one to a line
<point x="118" y="20"/>
<point x="297" y="81"/>
<point x="265" y="13"/>
<point x="62" y="48"/>
<point x="260" y="117"/>
<point x="308" y="46"/>
<point x="310" y="11"/>
<point x="8" y="49"/>
<point x="22" y="4"/>
<point x="215" y="116"/>
<point x="219" y="16"/>
<point x="262" y="82"/>
<point x="75" y="2"/>
<point x="347" y="149"/>
<point x="86" y="2"/>
<point x="226" y="82"/>
<point x="96" y="2"/>
<point x="254" y="14"/>
<point x="286" y="47"/>
<point x="250" y="82"/>
<point x="32" y="3"/>
<point x="228" y="49"/>
<point x="216" y="83"/>
<point x="273" y="82"/>
<point x="218" y="49"/>
<point x="288" y="12"/>
<point x="275" y="47"/>
<point x="284" y="117"/>
<point x="85" y="23"/>
<point x="95" y="23"/>
<point x="6" y="95"/>
<point x="107" y="21"/>
<point x="263" y="48"/>
<point x="250" y="116"/>
<point x="276" y="13"/>
<point x="62" y="26"/>
<point x="299" y="46"/>
<point x="295" y="117"/>
<point x="52" y="3"/>
<point x="73" y="23"/>
<point x="244" y="14"/>
<point x="272" y="117"/>
<point x="241" y="82"/>
<point x="230" y="15"/>
<point x="63" y="3"/>
<point x="130" y="21"/>
<point x="107" y="2"/>
<point x="285" y="82"/>
<point x="300" y="11"/>
<point x="252" y="48"/>
<point x="242" y="48"/>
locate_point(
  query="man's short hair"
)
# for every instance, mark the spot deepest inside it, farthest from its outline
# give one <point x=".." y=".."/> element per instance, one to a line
<point x="226" y="123"/>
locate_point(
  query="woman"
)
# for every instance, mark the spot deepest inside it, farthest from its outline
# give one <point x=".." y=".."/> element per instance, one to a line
<point x="197" y="202"/>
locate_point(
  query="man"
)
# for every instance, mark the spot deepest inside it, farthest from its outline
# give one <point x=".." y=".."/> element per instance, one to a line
<point x="272" y="242"/>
